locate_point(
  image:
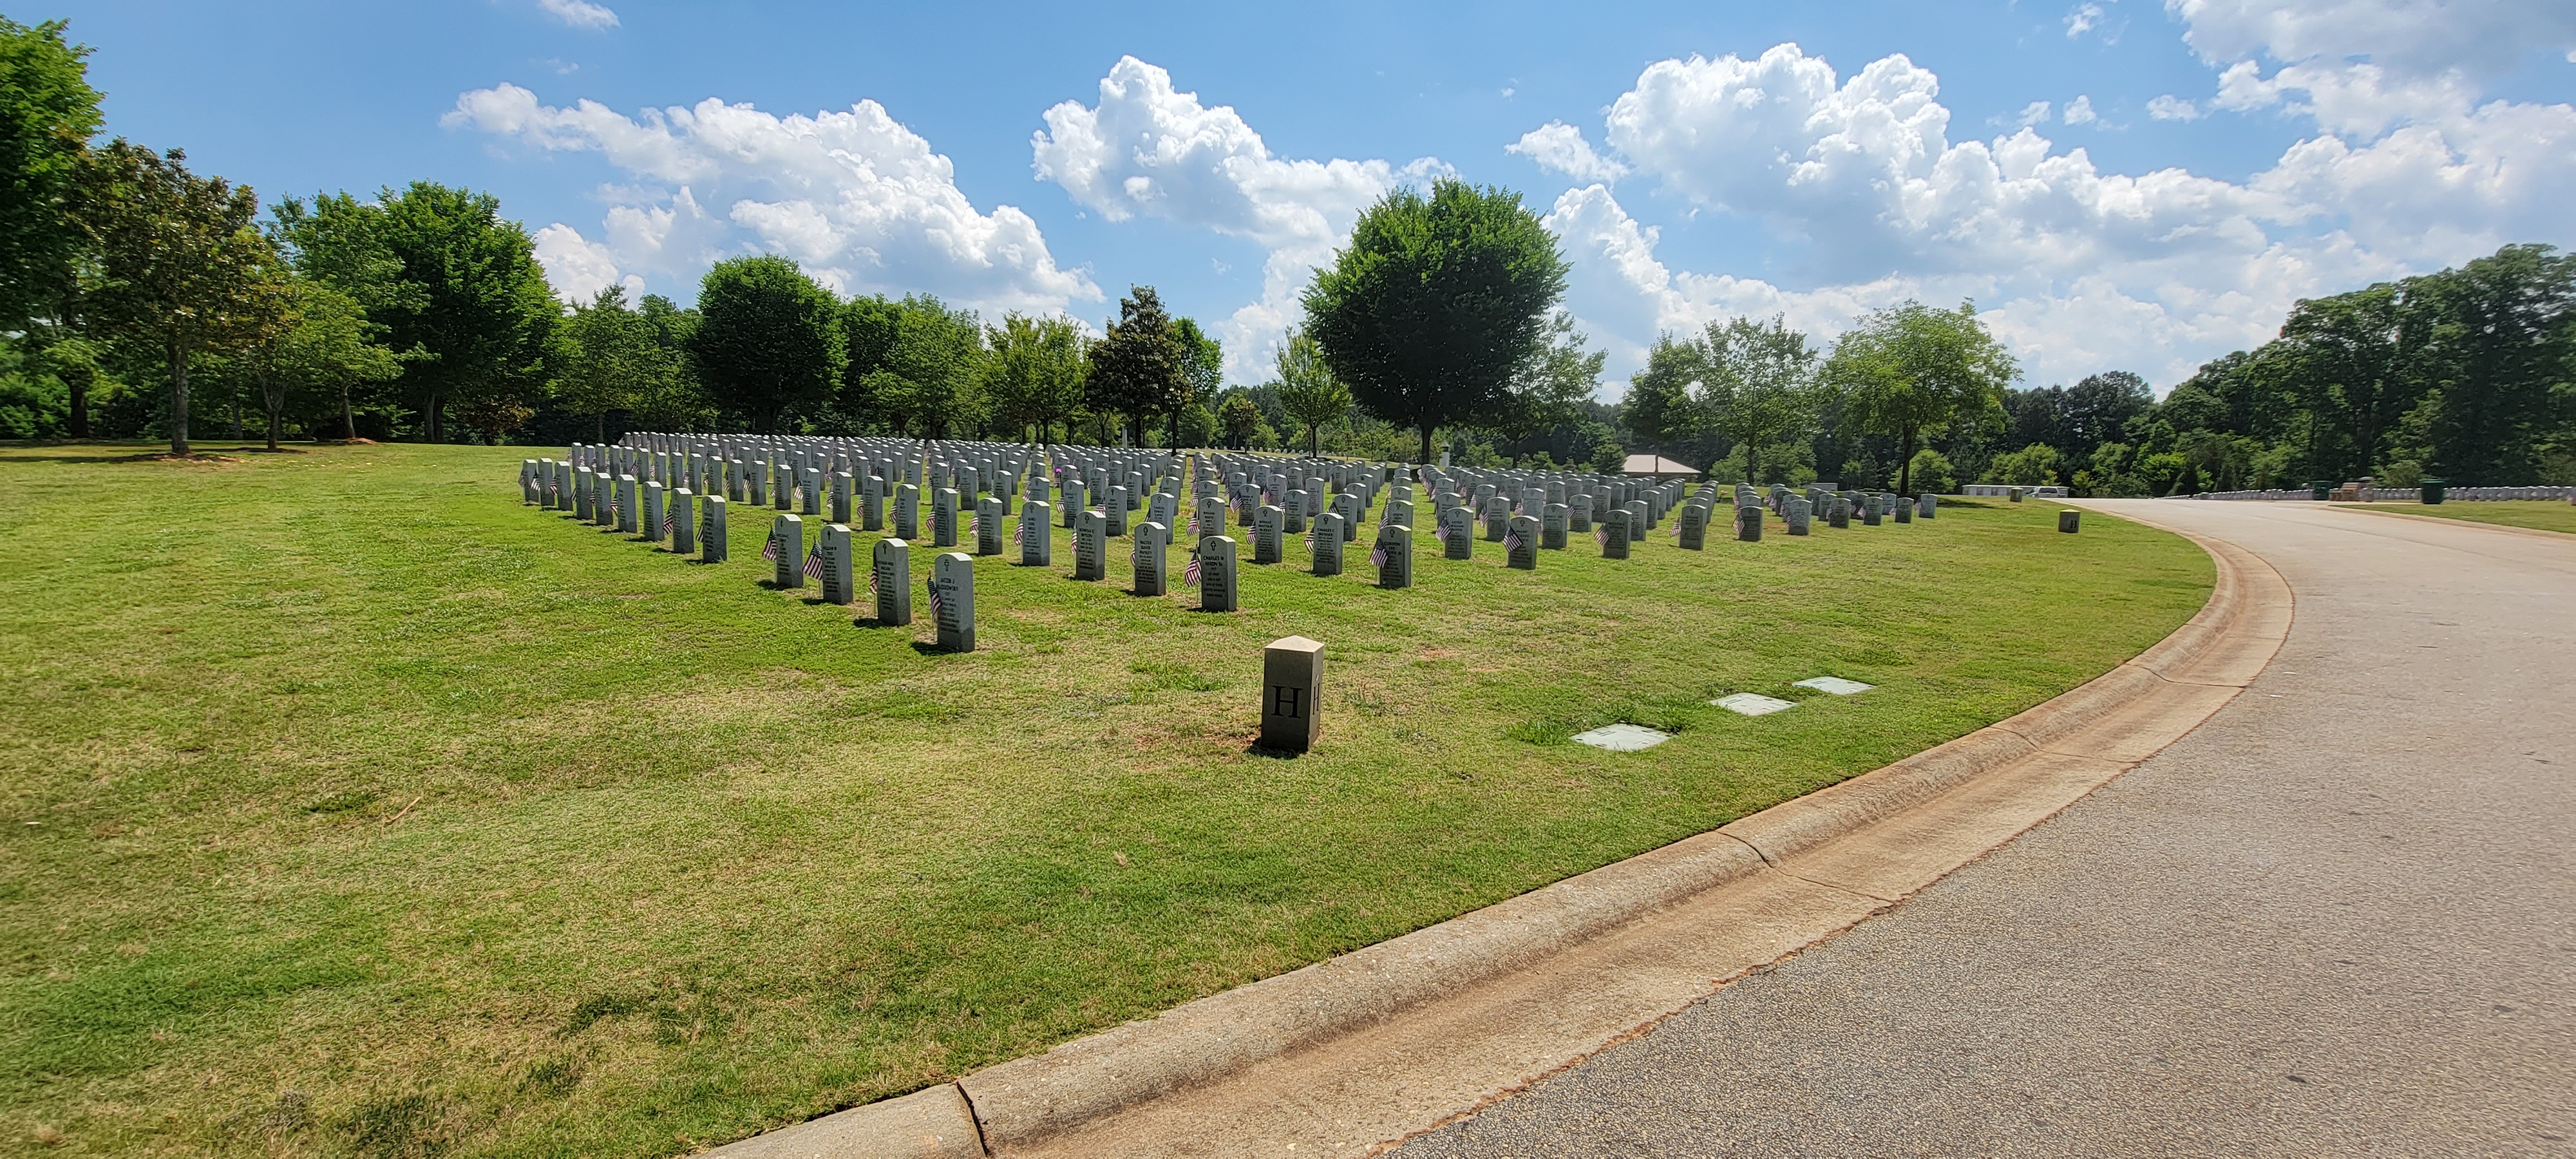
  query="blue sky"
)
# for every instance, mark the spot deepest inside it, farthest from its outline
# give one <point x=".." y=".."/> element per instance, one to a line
<point x="2118" y="183"/>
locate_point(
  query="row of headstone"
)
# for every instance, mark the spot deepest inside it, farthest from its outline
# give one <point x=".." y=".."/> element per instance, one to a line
<point x="1324" y="501"/>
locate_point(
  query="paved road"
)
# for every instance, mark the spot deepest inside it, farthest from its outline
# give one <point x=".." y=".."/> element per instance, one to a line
<point x="2338" y="918"/>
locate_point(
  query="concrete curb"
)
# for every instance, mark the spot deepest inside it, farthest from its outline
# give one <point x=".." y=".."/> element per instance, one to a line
<point x="1082" y="1084"/>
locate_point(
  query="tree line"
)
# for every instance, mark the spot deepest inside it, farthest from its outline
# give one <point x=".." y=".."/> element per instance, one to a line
<point x="2468" y="374"/>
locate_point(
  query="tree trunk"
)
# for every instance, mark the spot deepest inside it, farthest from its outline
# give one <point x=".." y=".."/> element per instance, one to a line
<point x="1426" y="444"/>
<point x="78" y="383"/>
<point x="275" y="401"/>
<point x="178" y="398"/>
<point x="348" y="417"/>
<point x="603" y="428"/>
<point x="436" y="404"/>
<point x="1905" y="464"/>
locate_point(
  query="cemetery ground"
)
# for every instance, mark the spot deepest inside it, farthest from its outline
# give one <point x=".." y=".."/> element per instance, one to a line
<point x="2536" y="514"/>
<point x="354" y="807"/>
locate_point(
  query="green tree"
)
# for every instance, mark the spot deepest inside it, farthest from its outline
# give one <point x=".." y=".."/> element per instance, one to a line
<point x="1551" y="387"/>
<point x="1238" y="416"/>
<point x="1910" y="370"/>
<point x="621" y="359"/>
<point x="1931" y="471"/>
<point x="1757" y="385"/>
<point x="1202" y="373"/>
<point x="48" y="112"/>
<point x="1034" y="372"/>
<point x="1658" y="408"/>
<point x="1308" y="388"/>
<point x="2032" y="466"/>
<point x="2495" y="339"/>
<point x="178" y="259"/>
<point x="1140" y="365"/>
<point x="1437" y="305"/>
<point x="769" y="338"/>
<point x="938" y="355"/>
<point x="469" y="304"/>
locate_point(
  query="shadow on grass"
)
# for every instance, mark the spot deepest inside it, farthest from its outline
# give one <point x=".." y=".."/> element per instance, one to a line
<point x="1265" y="752"/>
<point x="932" y="648"/>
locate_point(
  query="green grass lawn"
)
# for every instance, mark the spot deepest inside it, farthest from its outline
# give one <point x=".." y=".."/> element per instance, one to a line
<point x="355" y="808"/>
<point x="2538" y="514"/>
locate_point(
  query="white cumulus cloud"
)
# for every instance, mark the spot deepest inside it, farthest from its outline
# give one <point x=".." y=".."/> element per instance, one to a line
<point x="2173" y="108"/>
<point x="1871" y="201"/>
<point x="855" y="197"/>
<point x="2084" y="18"/>
<point x="1148" y="149"/>
<point x="580" y="13"/>
<point x="1560" y="148"/>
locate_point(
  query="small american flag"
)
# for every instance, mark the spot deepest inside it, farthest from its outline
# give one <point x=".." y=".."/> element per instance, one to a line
<point x="616" y="508"/>
<point x="872" y="585"/>
<point x="1310" y="539"/>
<point x="769" y="550"/>
<point x="1511" y="541"/>
<point x="935" y="602"/>
<point x="1194" y="526"/>
<point x="814" y="561"/>
<point x="1601" y="535"/>
<point x="1190" y="573"/>
<point x="667" y="516"/>
<point x="1377" y="557"/>
<point x="1440" y="531"/>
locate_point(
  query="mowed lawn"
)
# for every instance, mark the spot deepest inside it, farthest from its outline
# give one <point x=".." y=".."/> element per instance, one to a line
<point x="355" y="808"/>
<point x="2537" y="514"/>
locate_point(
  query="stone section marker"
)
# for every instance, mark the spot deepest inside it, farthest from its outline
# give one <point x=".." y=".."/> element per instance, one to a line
<point x="1292" y="684"/>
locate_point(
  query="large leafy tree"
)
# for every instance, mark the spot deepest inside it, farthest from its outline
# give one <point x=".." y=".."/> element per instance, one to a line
<point x="1140" y="365"/>
<point x="1309" y="390"/>
<point x="938" y="356"/>
<point x="339" y="241"/>
<point x="179" y="264"/>
<point x="1202" y="374"/>
<point x="469" y="301"/>
<point x="1910" y="370"/>
<point x="48" y="112"/>
<point x="311" y="341"/>
<point x="1657" y="408"/>
<point x="1758" y="385"/>
<point x="1034" y="371"/>
<point x="769" y="338"/>
<point x="1437" y="305"/>
<point x="621" y="359"/>
<point x="2491" y="344"/>
<point x="1553" y="384"/>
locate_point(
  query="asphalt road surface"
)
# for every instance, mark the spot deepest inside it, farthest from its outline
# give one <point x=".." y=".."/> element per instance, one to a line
<point x="2337" y="919"/>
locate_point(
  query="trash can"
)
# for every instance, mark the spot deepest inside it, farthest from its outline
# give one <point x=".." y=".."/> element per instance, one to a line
<point x="2320" y="489"/>
<point x="2435" y="490"/>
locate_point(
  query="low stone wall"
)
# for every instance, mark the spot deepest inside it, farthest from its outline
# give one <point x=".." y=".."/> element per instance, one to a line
<point x="2407" y="494"/>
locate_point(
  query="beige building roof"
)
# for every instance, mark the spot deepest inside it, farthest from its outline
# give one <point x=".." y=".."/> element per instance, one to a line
<point x="1657" y="465"/>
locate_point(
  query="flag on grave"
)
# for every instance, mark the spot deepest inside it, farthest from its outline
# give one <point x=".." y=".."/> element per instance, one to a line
<point x="975" y="526"/>
<point x="872" y="585"/>
<point x="935" y="602"/>
<point x="769" y="550"/>
<point x="1190" y="574"/>
<point x="1377" y="557"/>
<point x="1601" y="535"/>
<point x="1511" y="541"/>
<point x="814" y="561"/>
